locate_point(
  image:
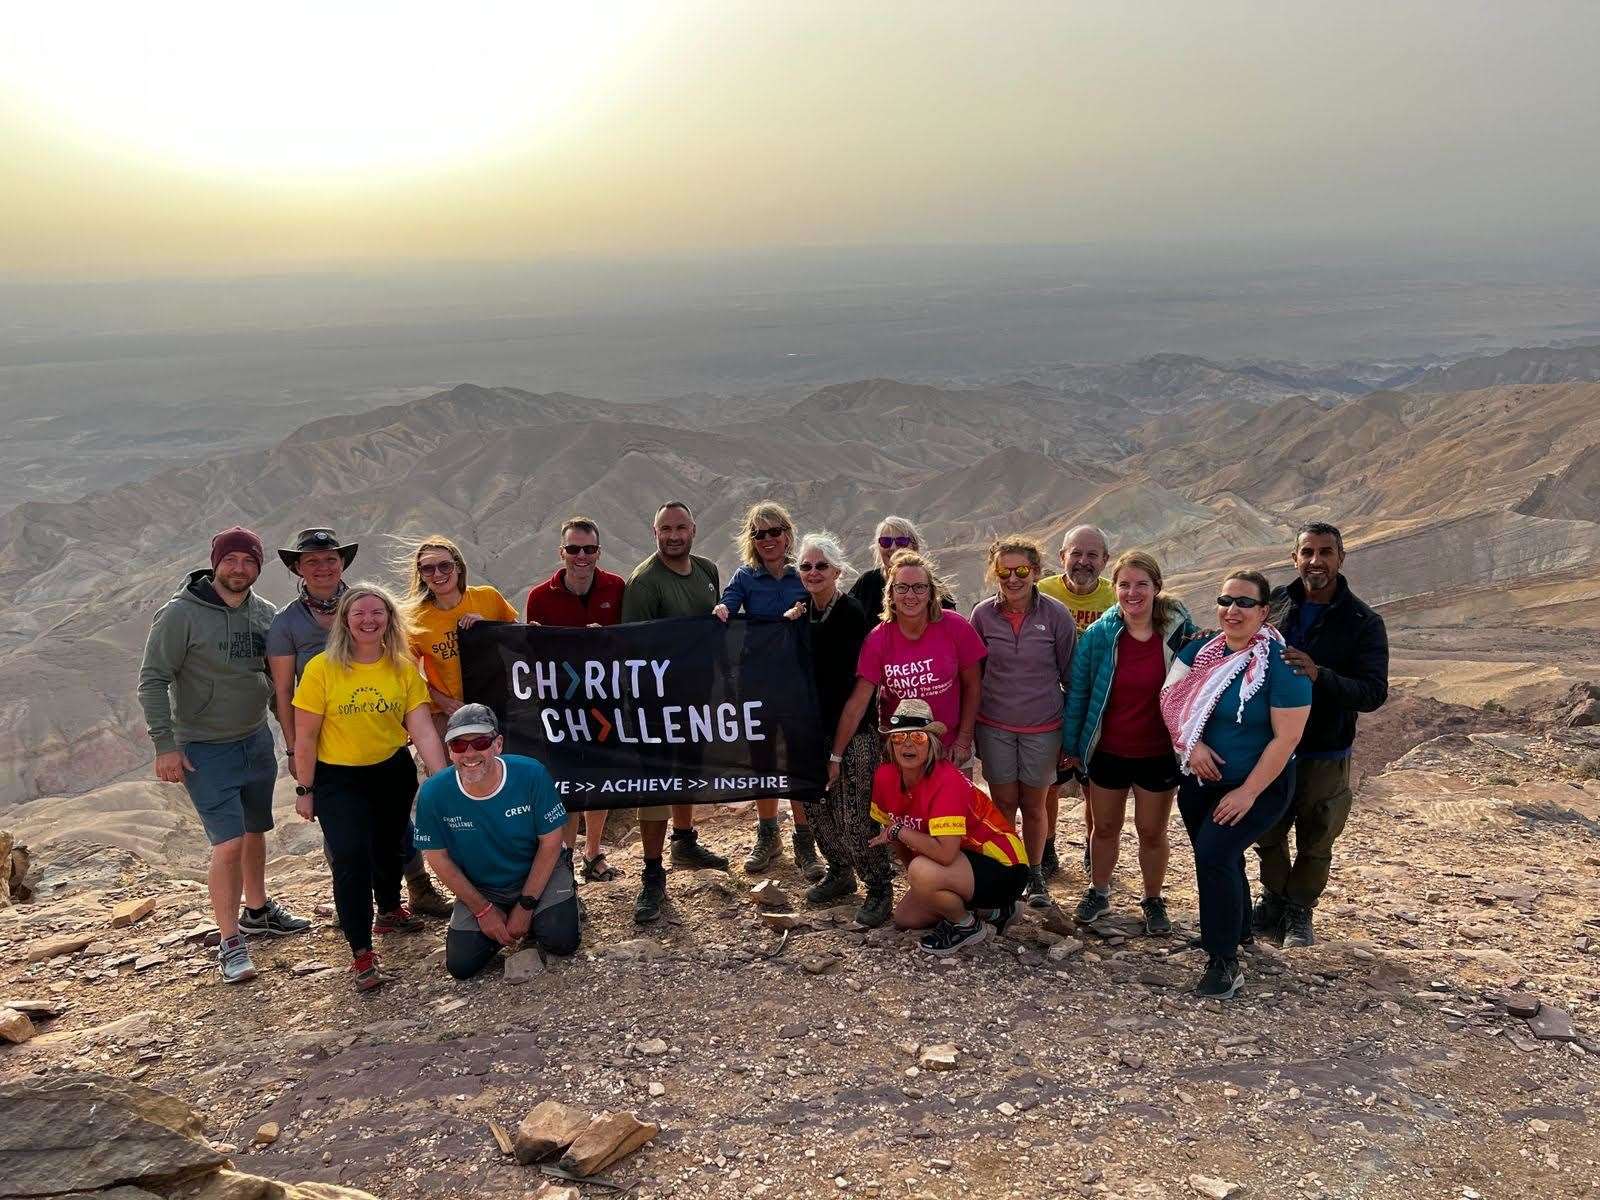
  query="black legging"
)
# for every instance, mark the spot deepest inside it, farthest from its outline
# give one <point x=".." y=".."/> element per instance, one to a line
<point x="364" y="812"/>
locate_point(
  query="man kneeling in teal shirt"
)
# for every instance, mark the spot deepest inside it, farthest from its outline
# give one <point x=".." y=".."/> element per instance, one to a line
<point x="491" y="830"/>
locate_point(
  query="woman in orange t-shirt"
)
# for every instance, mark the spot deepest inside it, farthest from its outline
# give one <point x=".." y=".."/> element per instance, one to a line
<point x="437" y="606"/>
<point x="965" y="866"/>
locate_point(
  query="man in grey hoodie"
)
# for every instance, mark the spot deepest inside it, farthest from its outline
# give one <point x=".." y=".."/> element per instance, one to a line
<point x="205" y="691"/>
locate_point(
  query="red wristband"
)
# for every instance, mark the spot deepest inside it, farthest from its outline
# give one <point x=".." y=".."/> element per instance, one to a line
<point x="478" y="916"/>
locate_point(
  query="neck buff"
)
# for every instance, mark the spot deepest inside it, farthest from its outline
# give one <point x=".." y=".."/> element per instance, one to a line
<point x="322" y="606"/>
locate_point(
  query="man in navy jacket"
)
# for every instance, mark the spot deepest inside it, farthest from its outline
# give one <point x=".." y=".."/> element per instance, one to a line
<point x="1341" y="645"/>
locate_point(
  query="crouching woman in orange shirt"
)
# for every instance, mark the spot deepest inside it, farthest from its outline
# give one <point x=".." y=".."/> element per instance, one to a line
<point x="964" y="865"/>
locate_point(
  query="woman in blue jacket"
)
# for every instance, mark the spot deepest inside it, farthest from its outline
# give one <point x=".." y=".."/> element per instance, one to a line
<point x="1114" y="731"/>
<point x="767" y="585"/>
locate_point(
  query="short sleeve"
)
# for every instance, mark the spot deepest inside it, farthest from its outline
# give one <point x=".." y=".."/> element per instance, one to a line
<point x="312" y="693"/>
<point x="416" y="688"/>
<point x="496" y="607"/>
<point x="869" y="663"/>
<point x="1285" y="689"/>
<point x="279" y="642"/>
<point x="968" y="646"/>
<point x="430" y="830"/>
<point x="548" y="811"/>
<point x="948" y="807"/>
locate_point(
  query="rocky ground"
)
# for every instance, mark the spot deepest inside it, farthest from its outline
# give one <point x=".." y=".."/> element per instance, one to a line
<point x="1385" y="1061"/>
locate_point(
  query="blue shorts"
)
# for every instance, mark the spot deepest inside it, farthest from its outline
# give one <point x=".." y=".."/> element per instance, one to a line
<point x="231" y="785"/>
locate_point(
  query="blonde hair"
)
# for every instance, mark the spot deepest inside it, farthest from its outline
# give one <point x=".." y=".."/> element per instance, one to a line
<point x="763" y="514"/>
<point x="341" y="646"/>
<point x="1014" y="543"/>
<point x="1165" y="605"/>
<point x="418" y="596"/>
<point x="822" y="540"/>
<point x="937" y="589"/>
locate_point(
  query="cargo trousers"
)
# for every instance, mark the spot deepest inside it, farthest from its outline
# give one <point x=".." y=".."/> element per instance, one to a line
<point x="1316" y="817"/>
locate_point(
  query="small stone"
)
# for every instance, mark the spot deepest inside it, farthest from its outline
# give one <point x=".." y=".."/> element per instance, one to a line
<point x="15" y="1027"/>
<point x="523" y="966"/>
<point x="609" y="1137"/>
<point x="549" y="1129"/>
<point x="131" y="912"/>
<point x="641" y="948"/>
<point x="909" y="1049"/>
<point x="1063" y="949"/>
<point x="327" y="1157"/>
<point x="1006" y="1109"/>
<point x="309" y="966"/>
<point x="939" y="1058"/>
<point x="1131" y="1060"/>
<point x="36" y="1010"/>
<point x="782" y="920"/>
<point x="266" y="1135"/>
<point x="1213" y="1188"/>
<point x="1538" y="1126"/>
<point x="657" y="1089"/>
<point x="822" y="964"/>
<point x="654" y="1048"/>
<point x="1520" y="1004"/>
<point x="145" y="961"/>
<point x="56" y="947"/>
<point x="501" y="1135"/>
<point x="793" y="1029"/>
<point x="769" y="894"/>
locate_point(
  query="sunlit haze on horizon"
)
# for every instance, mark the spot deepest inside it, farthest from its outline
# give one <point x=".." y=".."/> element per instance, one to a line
<point x="192" y="139"/>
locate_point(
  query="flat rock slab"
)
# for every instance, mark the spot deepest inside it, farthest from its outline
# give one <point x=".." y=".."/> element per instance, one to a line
<point x="131" y="912"/>
<point x="70" y="944"/>
<point x="38" y="1010"/>
<point x="524" y="965"/>
<point x="768" y="894"/>
<point x="609" y="1137"/>
<point x="549" y="1129"/>
<point x="1552" y="1025"/>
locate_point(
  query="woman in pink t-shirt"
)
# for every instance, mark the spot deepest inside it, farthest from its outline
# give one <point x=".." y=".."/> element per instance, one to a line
<point x="921" y="651"/>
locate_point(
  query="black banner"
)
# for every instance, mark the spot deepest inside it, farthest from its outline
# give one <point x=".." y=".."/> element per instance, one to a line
<point x="678" y="711"/>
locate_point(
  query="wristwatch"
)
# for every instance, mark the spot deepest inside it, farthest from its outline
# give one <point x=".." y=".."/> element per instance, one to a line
<point x="836" y="758"/>
<point x="528" y="902"/>
<point x="301" y="791"/>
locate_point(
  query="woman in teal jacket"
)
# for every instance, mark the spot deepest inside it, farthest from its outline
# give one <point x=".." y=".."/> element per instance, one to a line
<point x="1112" y="728"/>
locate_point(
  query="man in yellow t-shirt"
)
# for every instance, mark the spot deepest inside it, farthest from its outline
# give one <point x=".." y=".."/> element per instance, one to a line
<point x="1084" y="554"/>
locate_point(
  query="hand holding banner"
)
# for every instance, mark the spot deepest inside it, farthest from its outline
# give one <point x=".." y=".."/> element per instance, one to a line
<point x="680" y="711"/>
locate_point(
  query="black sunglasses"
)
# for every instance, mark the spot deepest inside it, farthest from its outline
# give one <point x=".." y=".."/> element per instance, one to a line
<point x="899" y="541"/>
<point x="1244" y="602"/>
<point x="762" y="535"/>
<point x="574" y="551"/>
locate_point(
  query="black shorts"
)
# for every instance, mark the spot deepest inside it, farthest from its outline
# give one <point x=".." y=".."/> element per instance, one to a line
<point x="1065" y="775"/>
<point x="1159" y="773"/>
<point x="994" y="883"/>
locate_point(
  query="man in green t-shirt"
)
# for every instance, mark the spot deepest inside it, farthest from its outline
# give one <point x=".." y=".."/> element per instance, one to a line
<point x="672" y="582"/>
<point x="1084" y="554"/>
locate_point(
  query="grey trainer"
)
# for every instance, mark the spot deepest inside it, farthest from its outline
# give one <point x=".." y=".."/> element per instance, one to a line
<point x="234" y="961"/>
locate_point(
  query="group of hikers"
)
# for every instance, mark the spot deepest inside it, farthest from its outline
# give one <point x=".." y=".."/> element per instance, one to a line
<point x="1093" y="680"/>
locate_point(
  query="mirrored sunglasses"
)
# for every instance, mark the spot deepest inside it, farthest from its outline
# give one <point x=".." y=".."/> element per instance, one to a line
<point x="461" y="745"/>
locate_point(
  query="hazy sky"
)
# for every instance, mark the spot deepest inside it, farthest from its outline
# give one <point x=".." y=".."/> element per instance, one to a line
<point x="184" y="137"/>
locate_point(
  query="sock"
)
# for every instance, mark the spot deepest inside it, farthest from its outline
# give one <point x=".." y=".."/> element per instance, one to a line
<point x="1102" y="891"/>
<point x="653" y="869"/>
<point x="972" y="919"/>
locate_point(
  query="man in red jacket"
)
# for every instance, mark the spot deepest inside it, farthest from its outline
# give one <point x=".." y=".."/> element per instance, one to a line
<point x="580" y="594"/>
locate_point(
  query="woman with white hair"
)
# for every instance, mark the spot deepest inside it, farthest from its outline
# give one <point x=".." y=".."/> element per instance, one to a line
<point x="842" y="818"/>
<point x="894" y="534"/>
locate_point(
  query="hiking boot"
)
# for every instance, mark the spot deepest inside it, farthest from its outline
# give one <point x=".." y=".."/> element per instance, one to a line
<point x="834" y="886"/>
<point x="233" y="959"/>
<point x="877" y="908"/>
<point x="687" y="854"/>
<point x="768" y="848"/>
<point x="1297" y="927"/>
<point x="1221" y="980"/>
<point x="652" y="893"/>
<point x="401" y="920"/>
<point x="946" y="938"/>
<point x="1000" y="917"/>
<point x="424" y="899"/>
<point x="271" y="920"/>
<point x="368" y="973"/>
<point x="1267" y="917"/>
<point x="1036" y="893"/>
<point x="1049" y="864"/>
<point x="1156" y="921"/>
<point x="1092" y="907"/>
<point x="805" y="853"/>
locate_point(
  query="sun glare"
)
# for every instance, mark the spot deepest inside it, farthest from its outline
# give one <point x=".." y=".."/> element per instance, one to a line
<point x="311" y="91"/>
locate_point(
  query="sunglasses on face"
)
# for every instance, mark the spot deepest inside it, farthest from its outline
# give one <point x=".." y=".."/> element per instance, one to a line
<point x="1244" y="602"/>
<point x="766" y="535"/>
<point x="909" y="735"/>
<point x="910" y="589"/>
<point x="574" y="551"/>
<point x="898" y="542"/>
<point x="810" y="567"/>
<point x="443" y="568"/>
<point x="1008" y="572"/>
<point x="461" y="745"/>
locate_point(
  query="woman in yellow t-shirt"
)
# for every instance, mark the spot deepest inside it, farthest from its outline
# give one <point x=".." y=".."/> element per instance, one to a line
<point x="355" y="707"/>
<point x="438" y="604"/>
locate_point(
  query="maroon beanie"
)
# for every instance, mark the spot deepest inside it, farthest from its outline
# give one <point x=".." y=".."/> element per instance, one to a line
<point x="238" y="538"/>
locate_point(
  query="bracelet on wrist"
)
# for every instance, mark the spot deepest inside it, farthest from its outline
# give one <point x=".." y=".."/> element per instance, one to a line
<point x="482" y="912"/>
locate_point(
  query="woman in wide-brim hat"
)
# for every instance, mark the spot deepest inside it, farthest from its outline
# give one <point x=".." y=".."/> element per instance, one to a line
<point x="964" y="865"/>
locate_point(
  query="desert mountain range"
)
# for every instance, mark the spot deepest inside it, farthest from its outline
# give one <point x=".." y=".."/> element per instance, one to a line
<point x="1447" y="494"/>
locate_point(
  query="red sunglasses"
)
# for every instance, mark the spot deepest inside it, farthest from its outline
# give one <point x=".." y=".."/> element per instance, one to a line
<point x="461" y="745"/>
